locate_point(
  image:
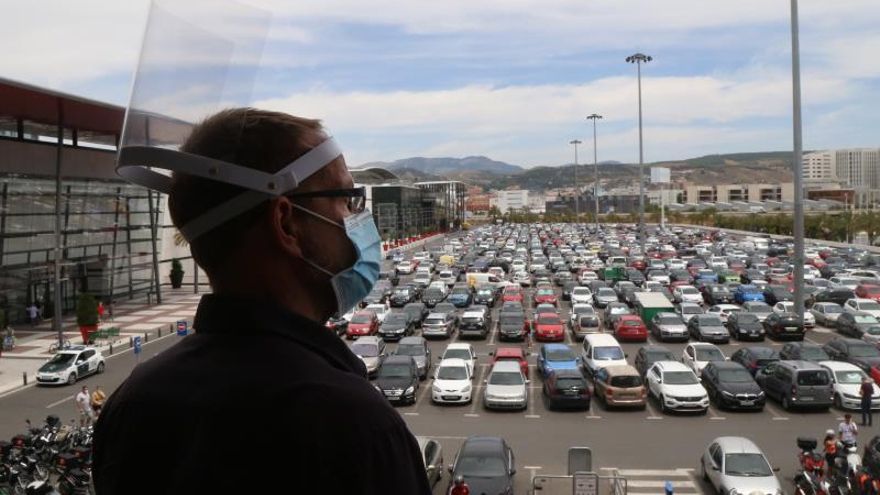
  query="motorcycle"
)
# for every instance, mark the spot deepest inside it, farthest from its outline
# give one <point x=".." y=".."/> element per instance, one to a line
<point x="849" y="452"/>
<point x="810" y="480"/>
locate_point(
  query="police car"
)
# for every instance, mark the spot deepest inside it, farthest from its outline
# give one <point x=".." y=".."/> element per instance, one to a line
<point x="71" y="364"/>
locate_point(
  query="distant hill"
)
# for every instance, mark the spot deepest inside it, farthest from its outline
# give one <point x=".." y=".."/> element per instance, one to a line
<point x="445" y="166"/>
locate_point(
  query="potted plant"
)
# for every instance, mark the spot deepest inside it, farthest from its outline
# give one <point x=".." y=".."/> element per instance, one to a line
<point x="176" y="273"/>
<point x="87" y="316"/>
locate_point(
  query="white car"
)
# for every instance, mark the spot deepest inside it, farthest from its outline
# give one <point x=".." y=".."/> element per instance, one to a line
<point x="858" y="305"/>
<point x="687" y="294"/>
<point x="826" y="313"/>
<point x="581" y="308"/>
<point x="380" y="309"/>
<point x="676" y="264"/>
<point x="723" y="311"/>
<point x="581" y="295"/>
<point x="422" y="279"/>
<point x="846" y="380"/>
<point x="843" y="283"/>
<point x="601" y="350"/>
<point x="460" y="350"/>
<point x="506" y="387"/>
<point x="452" y="382"/>
<point x="587" y="276"/>
<point x="697" y="355"/>
<point x="69" y="365"/>
<point x="447" y="277"/>
<point x="522" y="278"/>
<point x="405" y="267"/>
<point x="688" y="310"/>
<point x="439" y="285"/>
<point x="676" y="387"/>
<point x="788" y="307"/>
<point x="735" y="465"/>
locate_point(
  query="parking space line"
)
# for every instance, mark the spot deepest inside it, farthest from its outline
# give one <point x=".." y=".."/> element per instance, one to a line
<point x="777" y="416"/>
<point x="492" y="336"/>
<point x="475" y="391"/>
<point x="421" y="398"/>
<point x="714" y="415"/>
<point x="654" y="415"/>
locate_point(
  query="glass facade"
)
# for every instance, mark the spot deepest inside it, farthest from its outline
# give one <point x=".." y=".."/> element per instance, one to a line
<point x="107" y="247"/>
<point x="399" y="211"/>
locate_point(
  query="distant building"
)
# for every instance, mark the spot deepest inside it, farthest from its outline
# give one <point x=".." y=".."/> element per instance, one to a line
<point x="669" y="196"/>
<point x="477" y="200"/>
<point x="858" y="168"/>
<point x="819" y="165"/>
<point x="729" y="193"/>
<point x="537" y="203"/>
<point x="512" y="200"/>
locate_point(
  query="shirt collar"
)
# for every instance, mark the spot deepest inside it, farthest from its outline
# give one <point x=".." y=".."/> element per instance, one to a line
<point x="220" y="314"/>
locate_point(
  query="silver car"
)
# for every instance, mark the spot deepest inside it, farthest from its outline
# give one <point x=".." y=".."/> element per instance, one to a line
<point x="416" y="347"/>
<point x="737" y="465"/>
<point x="439" y="325"/>
<point x="371" y="350"/>
<point x="668" y="326"/>
<point x="506" y="387"/>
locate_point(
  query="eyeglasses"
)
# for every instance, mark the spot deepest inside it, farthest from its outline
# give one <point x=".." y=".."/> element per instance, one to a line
<point x="356" y="198"/>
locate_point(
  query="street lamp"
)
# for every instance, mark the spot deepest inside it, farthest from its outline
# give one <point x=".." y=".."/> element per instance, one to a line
<point x="798" y="166"/>
<point x="577" y="204"/>
<point x="639" y="59"/>
<point x="595" y="117"/>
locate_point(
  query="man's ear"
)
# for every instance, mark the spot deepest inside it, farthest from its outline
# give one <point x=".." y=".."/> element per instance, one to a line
<point x="284" y="225"/>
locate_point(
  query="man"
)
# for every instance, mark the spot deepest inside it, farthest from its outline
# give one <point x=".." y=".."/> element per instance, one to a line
<point x="33" y="314"/>
<point x="866" y="391"/>
<point x="84" y="407"/>
<point x="262" y="398"/>
<point x="98" y="399"/>
<point x="847" y="430"/>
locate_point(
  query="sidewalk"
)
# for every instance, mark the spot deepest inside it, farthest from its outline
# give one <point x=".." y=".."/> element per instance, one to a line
<point x="133" y="318"/>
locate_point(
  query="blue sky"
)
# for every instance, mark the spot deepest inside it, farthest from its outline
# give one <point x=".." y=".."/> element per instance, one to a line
<point x="509" y="79"/>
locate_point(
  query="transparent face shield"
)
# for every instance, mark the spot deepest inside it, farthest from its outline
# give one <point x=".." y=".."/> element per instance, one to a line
<point x="198" y="58"/>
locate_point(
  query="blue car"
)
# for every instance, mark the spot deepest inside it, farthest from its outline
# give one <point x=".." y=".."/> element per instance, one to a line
<point x="461" y="297"/>
<point x="554" y="357"/>
<point x="747" y="292"/>
<point x="707" y="276"/>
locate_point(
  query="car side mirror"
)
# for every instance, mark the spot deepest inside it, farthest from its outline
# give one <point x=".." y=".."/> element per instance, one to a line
<point x="450" y="468"/>
<point x="512" y="471"/>
<point x="776" y="469"/>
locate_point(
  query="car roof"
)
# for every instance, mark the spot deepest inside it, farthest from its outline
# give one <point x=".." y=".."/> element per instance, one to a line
<point x="726" y="365"/>
<point x="839" y="366"/>
<point x="621" y="370"/>
<point x="740" y="445"/>
<point x="414" y="339"/>
<point x="453" y="362"/>
<point x="506" y="366"/>
<point x="368" y="339"/>
<point x="601" y="338"/>
<point x="509" y="352"/>
<point x="459" y="345"/>
<point x="396" y="359"/>
<point x="482" y="445"/>
<point x="671" y="366"/>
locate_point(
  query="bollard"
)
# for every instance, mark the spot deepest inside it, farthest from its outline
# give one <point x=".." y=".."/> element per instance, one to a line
<point x="111" y="348"/>
<point x="24" y="377"/>
<point x="171" y="328"/>
<point x="131" y="342"/>
<point x="146" y="337"/>
<point x="159" y="330"/>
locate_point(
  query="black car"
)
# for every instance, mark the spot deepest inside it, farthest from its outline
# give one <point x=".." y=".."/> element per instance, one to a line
<point x="485" y="294"/>
<point x="433" y="296"/>
<point x="744" y="326"/>
<point x="731" y="386"/>
<point x="716" y="294"/>
<point x="839" y="296"/>
<point x="398" y="379"/>
<point x="752" y="274"/>
<point x="857" y="352"/>
<point x="784" y="325"/>
<point x="649" y="354"/>
<point x="776" y="293"/>
<point x="567" y="287"/>
<point x="376" y="296"/>
<point x="635" y="276"/>
<point x="396" y="326"/>
<point x="680" y="276"/>
<point x="472" y="325"/>
<point x="417" y="312"/>
<point x="512" y="326"/>
<point x="803" y="351"/>
<point x="566" y="388"/>
<point x="401" y="297"/>
<point x="855" y="325"/>
<point x="755" y="357"/>
<point x="871" y="457"/>
<point x="486" y="464"/>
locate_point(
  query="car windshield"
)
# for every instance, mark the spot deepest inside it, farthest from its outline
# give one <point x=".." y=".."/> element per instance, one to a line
<point x="432" y="293"/>
<point x="864" y="319"/>
<point x="511" y="320"/>
<point x="659" y="355"/>
<point x="559" y="354"/>
<point x="63" y="358"/>
<point x="402" y="292"/>
<point x="851" y="377"/>
<point x="452" y="373"/>
<point x="396" y="318"/>
<point x="863" y="351"/>
<point x="580" y="291"/>
<point x="395" y="371"/>
<point x="709" y="354"/>
<point x="734" y="376"/>
<point x="873" y="330"/>
<point x="410" y="350"/>
<point x="606" y="292"/>
<point x="571" y="382"/>
<point x="549" y="320"/>
<point x="545" y="292"/>
<point x="689" y="291"/>
<point x="869" y="306"/>
<point x="435" y="321"/>
<point x="832" y="308"/>
<point x="361" y="319"/>
<point x="812" y="378"/>
<point x="710" y="321"/>
<point x="632" y="323"/>
<point x="480" y="467"/>
<point x="680" y="378"/>
<point x="626" y="381"/>
<point x="691" y="310"/>
<point x="746" y="465"/>
<point x="484" y="292"/>
<point x="365" y="350"/>
<point x="506" y="378"/>
<point x="669" y="319"/>
<point x="760" y="309"/>
<point x="457" y="353"/>
<point x="748" y="290"/>
<point x="747" y="318"/>
<point x="607" y="353"/>
<point x="460" y="292"/>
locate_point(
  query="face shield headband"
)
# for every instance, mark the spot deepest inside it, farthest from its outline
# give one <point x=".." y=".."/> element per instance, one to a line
<point x="259" y="185"/>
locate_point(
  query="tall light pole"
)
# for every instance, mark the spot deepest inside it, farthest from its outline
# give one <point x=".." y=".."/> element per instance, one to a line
<point x="798" y="165"/>
<point x="577" y="203"/>
<point x="639" y="59"/>
<point x="594" y="117"/>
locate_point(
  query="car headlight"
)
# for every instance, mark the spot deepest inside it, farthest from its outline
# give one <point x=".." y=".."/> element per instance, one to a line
<point x="734" y="491"/>
<point x="410" y="390"/>
<point x="377" y="388"/>
<point x="726" y="393"/>
<point x="466" y="389"/>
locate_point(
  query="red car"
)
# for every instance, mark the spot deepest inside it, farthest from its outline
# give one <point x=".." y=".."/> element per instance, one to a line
<point x="362" y="323"/>
<point x="638" y="264"/>
<point x="512" y="293"/>
<point x="875" y="374"/>
<point x="545" y="296"/>
<point x="512" y="354"/>
<point x="549" y="328"/>
<point x="631" y="327"/>
<point x="868" y="291"/>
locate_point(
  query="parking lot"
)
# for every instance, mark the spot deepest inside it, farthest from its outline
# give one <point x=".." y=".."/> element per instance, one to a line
<point x="646" y="446"/>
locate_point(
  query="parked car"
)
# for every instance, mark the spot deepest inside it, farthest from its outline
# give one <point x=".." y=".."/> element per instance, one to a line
<point x="620" y="386"/>
<point x="70" y="364"/>
<point x="837" y="296"/>
<point x="513" y="326"/>
<point x="649" y="354"/>
<point x="485" y="294"/>
<point x="439" y="325"/>
<point x="474" y="323"/>
<point x="601" y="350"/>
<point x="708" y="328"/>
<point x="731" y="386"/>
<point x="826" y="313"/>
<point x="676" y="387"/>
<point x="396" y="326"/>
<point x="549" y="327"/>
<point x="512" y="354"/>
<point x="371" y="350"/>
<point x="461" y="350"/>
<point x="453" y="382"/>
<point x="554" y="357"/>
<point x="486" y="464"/>
<point x="688" y="310"/>
<point x="581" y="295"/>
<point x="862" y="306"/>
<point x="432" y="456"/>
<point x="668" y="326"/>
<point x="736" y="465"/>
<point x="744" y="326"/>
<point x="631" y="328"/>
<point x="723" y="311"/>
<point x="362" y="323"/>
<point x="747" y="292"/>
<point x="697" y="355"/>
<point x="755" y="357"/>
<point x="847" y="380"/>
<point x="417" y="312"/>
<point x="566" y="388"/>
<point x="506" y="387"/>
<point x="417" y="348"/>
<point x="788" y="307"/>
<point x="803" y="351"/>
<point x="784" y="325"/>
<point x="796" y="384"/>
<point x="604" y="296"/>
<point x="398" y="379"/>
<point x="855" y="325"/>
<point x="855" y="351"/>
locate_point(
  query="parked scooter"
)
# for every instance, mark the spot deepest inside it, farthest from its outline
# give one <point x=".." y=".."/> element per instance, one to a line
<point x="810" y="480"/>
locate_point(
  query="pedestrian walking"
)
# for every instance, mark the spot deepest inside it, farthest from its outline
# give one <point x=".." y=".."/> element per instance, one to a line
<point x="98" y="398"/>
<point x="100" y="311"/>
<point x="84" y="407"/>
<point x="279" y="268"/>
<point x="847" y="430"/>
<point x="33" y="314"/>
<point x="866" y="391"/>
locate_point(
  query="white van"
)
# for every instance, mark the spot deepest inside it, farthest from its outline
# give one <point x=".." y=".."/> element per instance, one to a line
<point x="601" y="350"/>
<point x="478" y="278"/>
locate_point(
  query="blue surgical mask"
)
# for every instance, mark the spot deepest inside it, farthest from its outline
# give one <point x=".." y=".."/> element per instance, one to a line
<point x="354" y="283"/>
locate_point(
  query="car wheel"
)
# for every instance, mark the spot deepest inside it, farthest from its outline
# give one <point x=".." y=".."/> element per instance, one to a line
<point x="101" y="367"/>
<point x="703" y="472"/>
<point x="785" y="403"/>
<point x="71" y="379"/>
<point x="663" y="408"/>
<point x="838" y="403"/>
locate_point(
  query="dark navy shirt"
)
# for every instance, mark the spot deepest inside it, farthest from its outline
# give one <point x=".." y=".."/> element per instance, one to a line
<point x="258" y="399"/>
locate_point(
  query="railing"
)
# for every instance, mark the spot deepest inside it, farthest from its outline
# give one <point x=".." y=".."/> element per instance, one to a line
<point x="579" y="484"/>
